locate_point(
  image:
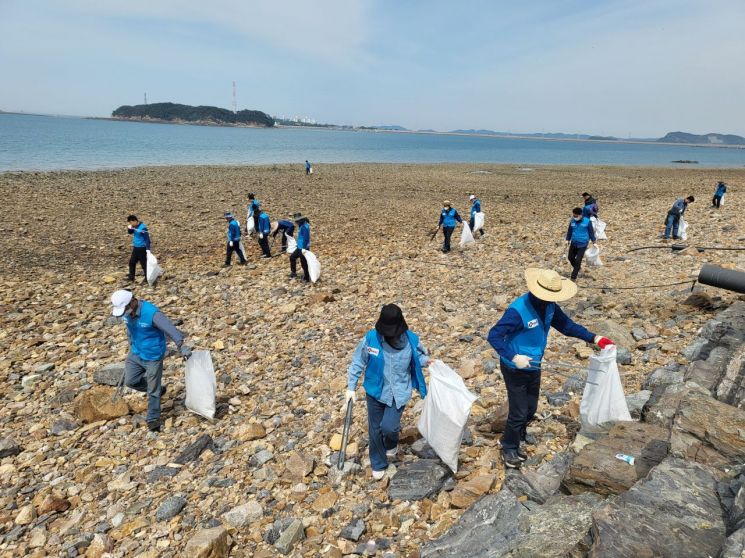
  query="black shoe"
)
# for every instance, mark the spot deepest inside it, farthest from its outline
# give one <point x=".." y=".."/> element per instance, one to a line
<point x="306" y="280"/>
<point x="226" y="265"/>
<point x="530" y="440"/>
<point x="292" y="276"/>
<point x="521" y="455"/>
<point x="511" y="459"/>
<point x="153" y="425"/>
<point x="242" y="263"/>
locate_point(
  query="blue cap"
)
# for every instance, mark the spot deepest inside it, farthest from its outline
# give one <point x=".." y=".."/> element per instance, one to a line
<point x="227" y="215"/>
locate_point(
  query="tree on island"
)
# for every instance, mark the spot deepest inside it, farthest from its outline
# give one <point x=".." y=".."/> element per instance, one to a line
<point x="187" y="113"/>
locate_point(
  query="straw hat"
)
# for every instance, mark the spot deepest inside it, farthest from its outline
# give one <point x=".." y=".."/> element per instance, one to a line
<point x="548" y="285"/>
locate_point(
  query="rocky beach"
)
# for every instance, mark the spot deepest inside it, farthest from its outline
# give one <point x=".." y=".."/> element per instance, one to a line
<point x="82" y="476"/>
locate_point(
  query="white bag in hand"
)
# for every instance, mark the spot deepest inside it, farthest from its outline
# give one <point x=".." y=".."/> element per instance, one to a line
<point x="599" y="227"/>
<point x="201" y="384"/>
<point x="465" y="236"/>
<point x="604" y="402"/>
<point x="314" y="266"/>
<point x="683" y="229"/>
<point x="478" y="221"/>
<point x="291" y="243"/>
<point x="153" y="269"/>
<point x="250" y="225"/>
<point x="446" y="409"/>
<point x="593" y="255"/>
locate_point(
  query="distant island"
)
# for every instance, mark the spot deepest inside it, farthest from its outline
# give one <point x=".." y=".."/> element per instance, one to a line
<point x="713" y="139"/>
<point x="173" y="112"/>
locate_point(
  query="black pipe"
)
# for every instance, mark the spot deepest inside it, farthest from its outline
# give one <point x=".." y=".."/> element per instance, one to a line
<point x="728" y="279"/>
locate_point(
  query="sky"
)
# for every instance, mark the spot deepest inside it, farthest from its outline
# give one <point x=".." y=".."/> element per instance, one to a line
<point x="627" y="68"/>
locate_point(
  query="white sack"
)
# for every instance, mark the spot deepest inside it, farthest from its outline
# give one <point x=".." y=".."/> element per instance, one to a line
<point x="200" y="384"/>
<point x="291" y="243"/>
<point x="593" y="255"/>
<point x="153" y="269"/>
<point x="599" y="228"/>
<point x="314" y="267"/>
<point x="310" y="170"/>
<point x="446" y="409"/>
<point x="478" y="221"/>
<point x="250" y="225"/>
<point x="466" y="237"/>
<point x="721" y="201"/>
<point x="683" y="229"/>
<point x="604" y="402"/>
<point x="242" y="248"/>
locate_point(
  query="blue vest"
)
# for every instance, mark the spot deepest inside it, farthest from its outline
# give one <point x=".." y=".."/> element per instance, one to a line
<point x="475" y="207"/>
<point x="146" y="341"/>
<point x="448" y="217"/>
<point x="580" y="231"/>
<point x="138" y="237"/>
<point x="532" y="338"/>
<point x="373" y="382"/>
<point x="265" y="225"/>
<point x="303" y="237"/>
<point x="721" y="190"/>
<point x="234" y="231"/>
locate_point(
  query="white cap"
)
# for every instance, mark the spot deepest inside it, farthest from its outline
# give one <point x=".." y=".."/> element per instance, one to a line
<point x="119" y="300"/>
<point x="471" y="197"/>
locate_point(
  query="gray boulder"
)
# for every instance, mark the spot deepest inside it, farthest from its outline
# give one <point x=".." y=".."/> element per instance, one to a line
<point x="636" y="401"/>
<point x="170" y="508"/>
<point x="418" y="480"/>
<point x="109" y="375"/>
<point x="194" y="450"/>
<point x="541" y="484"/>
<point x="294" y="533"/>
<point x="734" y="546"/>
<point x="669" y="374"/>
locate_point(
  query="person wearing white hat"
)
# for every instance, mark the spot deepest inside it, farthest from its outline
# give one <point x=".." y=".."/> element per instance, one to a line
<point x="475" y="208"/>
<point x="520" y="338"/>
<point x="147" y="329"/>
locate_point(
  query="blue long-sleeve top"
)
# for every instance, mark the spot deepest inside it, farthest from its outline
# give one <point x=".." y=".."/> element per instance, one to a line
<point x="396" y="370"/>
<point x="265" y="225"/>
<point x="448" y="217"/>
<point x="286" y="226"/>
<point x="679" y="207"/>
<point x="140" y="236"/>
<point x="475" y="207"/>
<point x="721" y="190"/>
<point x="510" y="322"/>
<point x="255" y="205"/>
<point x="303" y="237"/>
<point x="234" y="231"/>
<point x="575" y="235"/>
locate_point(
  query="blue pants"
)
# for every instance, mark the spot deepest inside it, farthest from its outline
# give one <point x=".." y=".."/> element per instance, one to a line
<point x="145" y="376"/>
<point x="671" y="224"/>
<point x="523" y="389"/>
<point x="383" y="426"/>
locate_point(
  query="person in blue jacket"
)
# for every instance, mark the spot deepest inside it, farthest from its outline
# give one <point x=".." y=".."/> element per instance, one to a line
<point x="520" y="338"/>
<point x="147" y="329"/>
<point x="579" y="234"/>
<point x="254" y="207"/>
<point x="234" y="240"/>
<point x="308" y="168"/>
<point x="263" y="230"/>
<point x="282" y="227"/>
<point x="140" y="246"/>
<point x="448" y="217"/>
<point x="391" y="358"/>
<point x="590" y="208"/>
<point x="303" y="243"/>
<point x="716" y="201"/>
<point x="672" y="221"/>
<point x="475" y="208"/>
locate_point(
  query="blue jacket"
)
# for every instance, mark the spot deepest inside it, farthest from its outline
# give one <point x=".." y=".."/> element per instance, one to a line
<point x="374" y="362"/>
<point x="475" y="207"/>
<point x="265" y="226"/>
<point x="679" y="207"/>
<point x="253" y="206"/>
<point x="234" y="231"/>
<point x="287" y="226"/>
<point x="580" y="232"/>
<point x="591" y="208"/>
<point x="523" y="329"/>
<point x="449" y="217"/>
<point x="140" y="236"/>
<point x="145" y="340"/>
<point x="721" y="190"/>
<point x="303" y="237"/>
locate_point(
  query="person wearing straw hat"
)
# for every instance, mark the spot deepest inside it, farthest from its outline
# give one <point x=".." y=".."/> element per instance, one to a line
<point x="520" y="338"/>
<point x="448" y="217"/>
<point x="282" y="227"/>
<point x="147" y="328"/>
<point x="234" y="240"/>
<point x="391" y="357"/>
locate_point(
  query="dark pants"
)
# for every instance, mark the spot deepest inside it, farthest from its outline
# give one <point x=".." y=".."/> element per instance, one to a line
<point x="472" y="223"/>
<point x="264" y="244"/>
<point x="139" y="255"/>
<point x="145" y="376"/>
<point x="576" y="253"/>
<point x="448" y="232"/>
<point x="383" y="426"/>
<point x="236" y="247"/>
<point x="523" y="389"/>
<point x="671" y="225"/>
<point x="716" y="201"/>
<point x="298" y="253"/>
<point x="281" y="231"/>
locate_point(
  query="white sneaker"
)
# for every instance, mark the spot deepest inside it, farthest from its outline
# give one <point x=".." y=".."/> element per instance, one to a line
<point x="391" y="452"/>
<point x="378" y="475"/>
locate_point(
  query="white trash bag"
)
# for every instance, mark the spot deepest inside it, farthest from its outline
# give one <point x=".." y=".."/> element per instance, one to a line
<point x="314" y="267"/>
<point x="478" y="221"/>
<point x="153" y="269"/>
<point x="466" y="237"/>
<point x="593" y="255"/>
<point x="604" y="402"/>
<point x="291" y="243"/>
<point x="599" y="227"/>
<point x="242" y="248"/>
<point x="201" y="384"/>
<point x="250" y="225"/>
<point x="446" y="409"/>
<point x="683" y="229"/>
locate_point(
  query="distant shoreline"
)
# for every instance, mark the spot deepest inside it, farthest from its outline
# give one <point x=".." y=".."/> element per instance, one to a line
<point x="179" y="122"/>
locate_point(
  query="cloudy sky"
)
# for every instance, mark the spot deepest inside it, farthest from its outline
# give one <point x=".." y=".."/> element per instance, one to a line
<point x="626" y="67"/>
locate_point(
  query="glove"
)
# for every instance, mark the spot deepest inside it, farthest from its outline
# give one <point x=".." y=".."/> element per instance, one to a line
<point x="521" y="361"/>
<point x="230" y="243"/>
<point x="185" y="351"/>
<point x="261" y="236"/>
<point x="602" y="342"/>
<point x="130" y="228"/>
<point x="348" y="395"/>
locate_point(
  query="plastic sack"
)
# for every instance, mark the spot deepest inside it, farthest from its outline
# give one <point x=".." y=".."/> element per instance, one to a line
<point x="242" y="248"/>
<point x="446" y="409"/>
<point x="721" y="200"/>
<point x="478" y="221"/>
<point x="291" y="243"/>
<point x="153" y="269"/>
<point x="604" y="402"/>
<point x="466" y="237"/>
<point x="201" y="384"/>
<point x="683" y="229"/>
<point x="599" y="228"/>
<point x="250" y="225"/>
<point x="310" y="170"/>
<point x="314" y="267"/>
<point x="593" y="255"/>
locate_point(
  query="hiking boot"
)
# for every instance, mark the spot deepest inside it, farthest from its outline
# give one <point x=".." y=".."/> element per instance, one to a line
<point x="511" y="459"/>
<point x="226" y="265"/>
<point x="153" y="425"/>
<point x="521" y="455"/>
<point x="244" y="262"/>
<point x="306" y="279"/>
